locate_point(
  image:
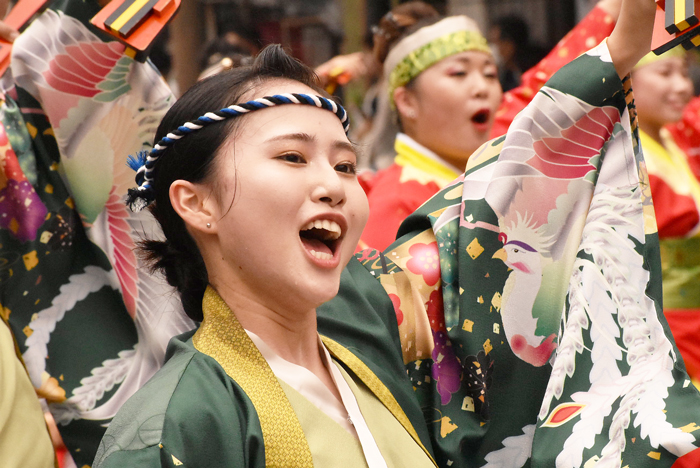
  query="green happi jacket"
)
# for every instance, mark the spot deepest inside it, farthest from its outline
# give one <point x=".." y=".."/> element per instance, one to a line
<point x="527" y="295"/>
<point x="217" y="403"/>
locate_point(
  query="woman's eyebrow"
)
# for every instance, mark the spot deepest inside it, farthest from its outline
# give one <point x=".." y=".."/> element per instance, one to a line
<point x="300" y="136"/>
<point x="480" y="60"/>
<point x="306" y="138"/>
<point x="344" y="146"/>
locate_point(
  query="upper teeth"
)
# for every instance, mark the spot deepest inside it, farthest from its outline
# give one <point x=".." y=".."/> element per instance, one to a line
<point x="331" y="227"/>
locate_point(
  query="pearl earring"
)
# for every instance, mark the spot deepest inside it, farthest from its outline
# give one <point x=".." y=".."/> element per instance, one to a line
<point x="208" y="225"/>
<point x="411" y="114"/>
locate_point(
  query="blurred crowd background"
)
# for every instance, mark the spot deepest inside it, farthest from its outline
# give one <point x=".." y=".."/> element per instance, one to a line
<point x="210" y="35"/>
<point x="316" y="30"/>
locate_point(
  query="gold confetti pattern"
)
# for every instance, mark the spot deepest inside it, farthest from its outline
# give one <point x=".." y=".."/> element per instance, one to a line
<point x="474" y="249"/>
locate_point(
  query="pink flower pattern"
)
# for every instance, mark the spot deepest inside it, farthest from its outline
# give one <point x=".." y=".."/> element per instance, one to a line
<point x="366" y="255"/>
<point x="425" y="261"/>
<point x="397" y="308"/>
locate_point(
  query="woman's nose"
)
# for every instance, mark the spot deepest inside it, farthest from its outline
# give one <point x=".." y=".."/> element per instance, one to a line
<point x="684" y="84"/>
<point x="478" y="85"/>
<point x="328" y="187"/>
<point x="680" y="82"/>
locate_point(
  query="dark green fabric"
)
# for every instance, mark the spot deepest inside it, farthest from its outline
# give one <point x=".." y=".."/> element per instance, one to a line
<point x="190" y="410"/>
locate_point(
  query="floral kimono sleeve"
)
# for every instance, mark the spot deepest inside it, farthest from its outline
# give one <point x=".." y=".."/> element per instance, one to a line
<point x="527" y="294"/>
<point x="76" y="295"/>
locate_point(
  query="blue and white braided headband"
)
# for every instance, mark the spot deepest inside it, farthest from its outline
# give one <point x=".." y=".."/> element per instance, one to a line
<point x="144" y="162"/>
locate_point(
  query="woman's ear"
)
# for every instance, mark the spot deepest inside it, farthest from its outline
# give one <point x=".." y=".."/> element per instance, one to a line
<point x="406" y="104"/>
<point x="195" y="205"/>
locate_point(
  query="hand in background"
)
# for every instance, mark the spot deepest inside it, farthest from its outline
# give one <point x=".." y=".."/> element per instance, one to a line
<point x="7" y="32"/>
<point x="343" y="68"/>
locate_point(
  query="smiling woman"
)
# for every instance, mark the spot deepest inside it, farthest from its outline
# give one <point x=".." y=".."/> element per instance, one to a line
<point x="663" y="92"/>
<point x="288" y="166"/>
<point x="261" y="209"/>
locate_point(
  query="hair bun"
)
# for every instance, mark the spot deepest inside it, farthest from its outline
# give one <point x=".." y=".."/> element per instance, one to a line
<point x="394" y="25"/>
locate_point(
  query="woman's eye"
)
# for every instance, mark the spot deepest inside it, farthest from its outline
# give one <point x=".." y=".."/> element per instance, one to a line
<point x="292" y="158"/>
<point x="490" y="72"/>
<point x="458" y="73"/>
<point x="346" y="168"/>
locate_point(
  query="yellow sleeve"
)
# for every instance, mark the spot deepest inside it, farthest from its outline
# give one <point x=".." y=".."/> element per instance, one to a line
<point x="24" y="437"/>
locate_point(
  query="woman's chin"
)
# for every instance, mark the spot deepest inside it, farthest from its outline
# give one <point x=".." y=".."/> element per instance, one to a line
<point x="326" y="294"/>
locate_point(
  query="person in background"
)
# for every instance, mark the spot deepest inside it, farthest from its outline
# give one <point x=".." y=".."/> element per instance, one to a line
<point x="515" y="53"/>
<point x="227" y="51"/>
<point x="663" y="90"/>
<point x="361" y="68"/>
<point x="379" y="138"/>
<point x="449" y="104"/>
<point x="668" y="131"/>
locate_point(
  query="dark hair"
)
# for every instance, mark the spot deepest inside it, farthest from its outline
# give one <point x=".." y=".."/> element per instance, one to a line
<point x="192" y="158"/>
<point x="513" y="28"/>
<point x="400" y="22"/>
<point x="228" y="45"/>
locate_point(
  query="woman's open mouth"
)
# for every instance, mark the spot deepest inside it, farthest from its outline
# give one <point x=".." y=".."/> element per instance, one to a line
<point x="321" y="239"/>
<point x="481" y="119"/>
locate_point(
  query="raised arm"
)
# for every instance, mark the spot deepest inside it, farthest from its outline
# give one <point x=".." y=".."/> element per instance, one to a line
<point x="7" y="32"/>
<point x="631" y="38"/>
<point x="611" y="7"/>
<point x="541" y="266"/>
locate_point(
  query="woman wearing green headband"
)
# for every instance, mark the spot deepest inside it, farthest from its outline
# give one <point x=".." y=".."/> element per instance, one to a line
<point x="443" y="86"/>
<point x="444" y="91"/>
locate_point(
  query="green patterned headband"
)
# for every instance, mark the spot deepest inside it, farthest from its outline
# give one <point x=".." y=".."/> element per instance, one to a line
<point x="429" y="45"/>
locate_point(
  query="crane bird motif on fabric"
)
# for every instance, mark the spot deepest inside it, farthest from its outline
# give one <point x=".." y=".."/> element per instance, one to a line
<point x="563" y="160"/>
<point x="523" y="254"/>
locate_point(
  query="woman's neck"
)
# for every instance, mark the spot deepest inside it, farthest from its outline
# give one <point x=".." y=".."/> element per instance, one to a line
<point x="457" y="164"/>
<point x="652" y="131"/>
<point x="291" y="334"/>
